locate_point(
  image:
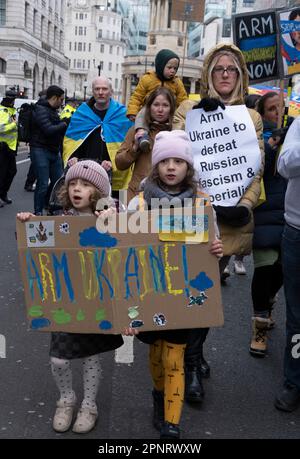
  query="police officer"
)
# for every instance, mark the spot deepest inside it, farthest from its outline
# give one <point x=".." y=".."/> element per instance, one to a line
<point x="69" y="109"/>
<point x="8" y="145"/>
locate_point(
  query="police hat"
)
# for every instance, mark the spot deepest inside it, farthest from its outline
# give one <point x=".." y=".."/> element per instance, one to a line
<point x="11" y="94"/>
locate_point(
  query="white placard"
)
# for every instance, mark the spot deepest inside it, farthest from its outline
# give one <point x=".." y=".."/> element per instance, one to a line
<point x="226" y="151"/>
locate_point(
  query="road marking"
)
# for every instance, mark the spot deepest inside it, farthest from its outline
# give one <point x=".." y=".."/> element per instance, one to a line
<point x="23" y="161"/>
<point x="124" y="354"/>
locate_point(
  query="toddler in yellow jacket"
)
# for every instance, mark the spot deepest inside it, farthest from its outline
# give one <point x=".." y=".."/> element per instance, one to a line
<point x="166" y="67"/>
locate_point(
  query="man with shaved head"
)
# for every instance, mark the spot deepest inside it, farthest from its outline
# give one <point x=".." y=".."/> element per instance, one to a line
<point x="96" y="130"/>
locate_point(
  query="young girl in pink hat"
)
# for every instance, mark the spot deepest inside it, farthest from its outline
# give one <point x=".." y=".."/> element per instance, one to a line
<point x="172" y="176"/>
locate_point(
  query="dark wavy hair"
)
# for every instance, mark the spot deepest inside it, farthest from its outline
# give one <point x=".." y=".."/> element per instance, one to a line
<point x="161" y="91"/>
<point x="189" y="180"/>
<point x="64" y="199"/>
<point x="261" y="103"/>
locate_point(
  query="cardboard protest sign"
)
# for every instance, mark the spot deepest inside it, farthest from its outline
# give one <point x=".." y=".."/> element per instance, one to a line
<point x="85" y="281"/>
<point x="226" y="151"/>
<point x="255" y="34"/>
<point x="289" y="32"/>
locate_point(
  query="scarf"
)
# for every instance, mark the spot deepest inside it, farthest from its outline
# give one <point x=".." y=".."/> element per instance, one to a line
<point x="154" y="191"/>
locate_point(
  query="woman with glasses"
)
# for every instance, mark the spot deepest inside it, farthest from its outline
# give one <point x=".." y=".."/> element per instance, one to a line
<point x="224" y="81"/>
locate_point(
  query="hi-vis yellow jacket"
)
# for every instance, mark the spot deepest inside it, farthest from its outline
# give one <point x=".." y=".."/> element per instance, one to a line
<point x="8" y="127"/>
<point x="67" y="112"/>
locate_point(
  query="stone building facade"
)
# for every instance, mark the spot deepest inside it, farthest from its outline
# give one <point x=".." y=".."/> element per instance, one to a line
<point x="163" y="33"/>
<point x="32" y="46"/>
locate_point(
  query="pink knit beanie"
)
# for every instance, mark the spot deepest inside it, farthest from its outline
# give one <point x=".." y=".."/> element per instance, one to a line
<point x="172" y="144"/>
<point x="91" y="172"/>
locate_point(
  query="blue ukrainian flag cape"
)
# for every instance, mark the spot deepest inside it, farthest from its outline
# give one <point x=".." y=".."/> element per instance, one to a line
<point x="114" y="129"/>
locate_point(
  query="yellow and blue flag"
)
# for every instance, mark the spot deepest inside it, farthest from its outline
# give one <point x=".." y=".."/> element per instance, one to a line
<point x="114" y="129"/>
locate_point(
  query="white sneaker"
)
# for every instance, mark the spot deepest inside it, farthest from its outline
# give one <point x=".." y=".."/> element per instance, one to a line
<point x="239" y="267"/>
<point x="85" y="421"/>
<point x="63" y="415"/>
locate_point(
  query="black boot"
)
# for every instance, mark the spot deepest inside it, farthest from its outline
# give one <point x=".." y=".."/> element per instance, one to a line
<point x="169" y="430"/>
<point x="194" y="391"/>
<point x="158" y="409"/>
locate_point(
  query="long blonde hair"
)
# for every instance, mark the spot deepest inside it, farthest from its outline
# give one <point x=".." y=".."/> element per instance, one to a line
<point x="239" y="88"/>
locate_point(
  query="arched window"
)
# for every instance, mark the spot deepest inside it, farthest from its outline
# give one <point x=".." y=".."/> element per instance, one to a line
<point x="45" y="79"/>
<point x="52" y="77"/>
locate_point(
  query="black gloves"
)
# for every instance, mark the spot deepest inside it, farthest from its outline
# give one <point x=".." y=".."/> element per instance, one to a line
<point x="233" y="216"/>
<point x="209" y="104"/>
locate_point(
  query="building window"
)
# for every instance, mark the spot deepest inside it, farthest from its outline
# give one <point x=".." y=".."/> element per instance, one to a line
<point x="49" y="31"/>
<point x="84" y="44"/>
<point x="89" y="64"/>
<point x="113" y="35"/>
<point x="80" y="46"/>
<point x="83" y="64"/>
<point x="116" y="83"/>
<point x="34" y="21"/>
<point x="75" y="45"/>
<point x="81" y="16"/>
<point x="100" y="18"/>
<point x="90" y="47"/>
<point x="117" y="67"/>
<point x="101" y="48"/>
<point x="118" y="50"/>
<point x="226" y="32"/>
<point x="55" y="37"/>
<point x="2" y="66"/>
<point x="2" y="12"/>
<point x="61" y="40"/>
<point x="100" y="33"/>
<point x="80" y="30"/>
<point x="26" y="14"/>
<point x="70" y="46"/>
<point x="42" y="27"/>
<point x="152" y="40"/>
<point x="110" y="66"/>
<point x="74" y="63"/>
<point x="75" y="30"/>
<point x="110" y="49"/>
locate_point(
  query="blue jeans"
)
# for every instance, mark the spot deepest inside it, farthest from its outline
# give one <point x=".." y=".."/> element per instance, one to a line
<point x="47" y="165"/>
<point x="291" y="282"/>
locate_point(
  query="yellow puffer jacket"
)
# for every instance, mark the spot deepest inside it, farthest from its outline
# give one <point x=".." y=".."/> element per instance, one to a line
<point x="236" y="241"/>
<point x="8" y="127"/>
<point x="148" y="83"/>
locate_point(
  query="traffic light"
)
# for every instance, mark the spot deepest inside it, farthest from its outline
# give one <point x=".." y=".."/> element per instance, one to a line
<point x="21" y="94"/>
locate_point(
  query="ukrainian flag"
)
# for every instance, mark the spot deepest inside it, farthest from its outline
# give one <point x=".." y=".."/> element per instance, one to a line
<point x="114" y="129"/>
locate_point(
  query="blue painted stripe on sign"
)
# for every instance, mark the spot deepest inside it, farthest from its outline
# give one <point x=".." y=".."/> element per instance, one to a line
<point x="262" y="42"/>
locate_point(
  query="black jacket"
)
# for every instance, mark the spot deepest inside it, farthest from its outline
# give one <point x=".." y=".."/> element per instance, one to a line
<point x="47" y="129"/>
<point x="269" y="216"/>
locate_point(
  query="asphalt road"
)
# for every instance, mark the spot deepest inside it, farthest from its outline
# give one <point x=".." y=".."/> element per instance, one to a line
<point x="239" y="394"/>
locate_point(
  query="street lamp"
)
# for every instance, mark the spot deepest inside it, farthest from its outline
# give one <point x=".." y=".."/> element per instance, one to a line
<point x="99" y="69"/>
<point x="85" y="85"/>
